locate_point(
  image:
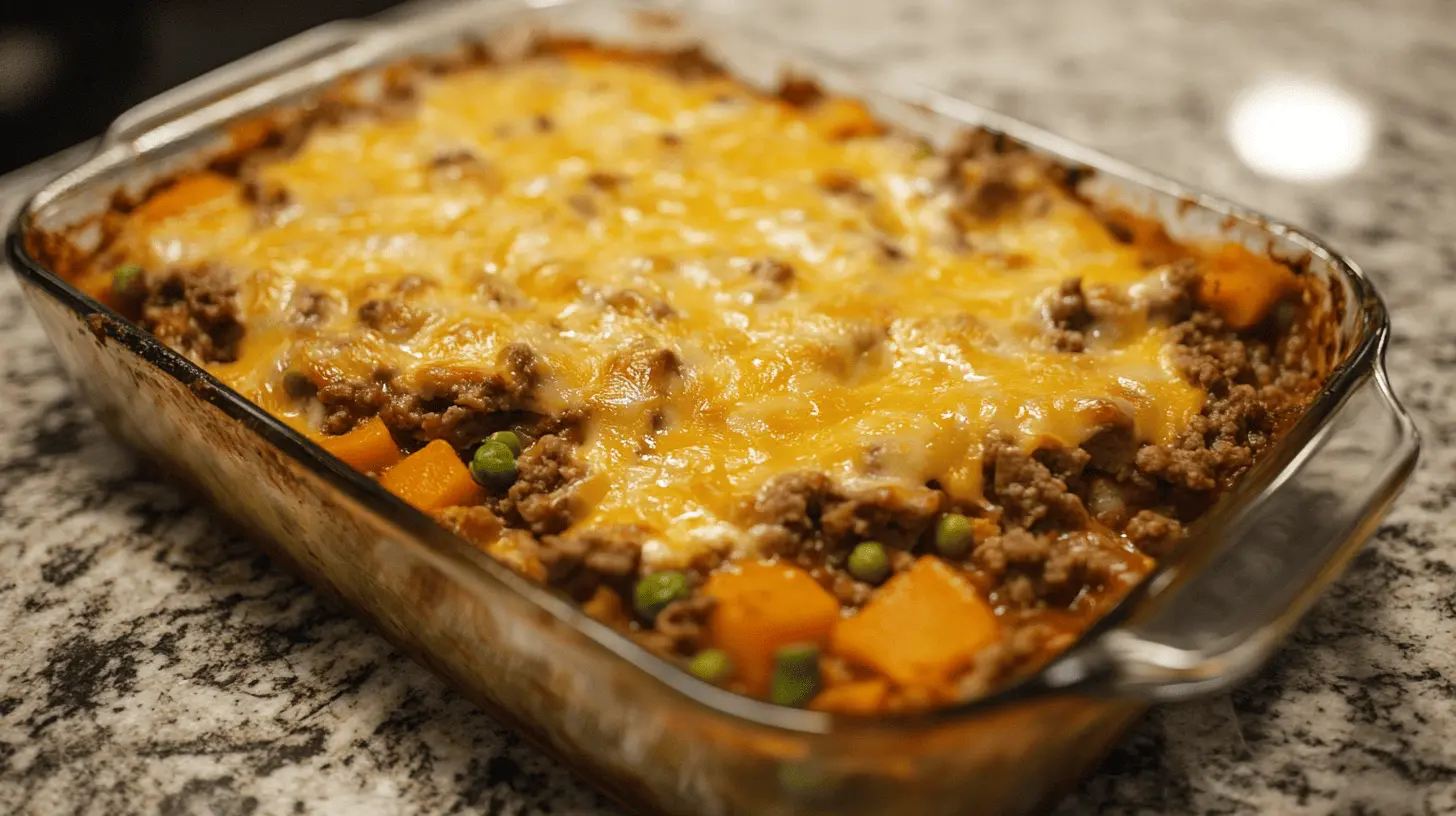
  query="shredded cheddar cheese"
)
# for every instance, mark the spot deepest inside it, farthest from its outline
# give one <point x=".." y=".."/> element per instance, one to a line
<point x="721" y="284"/>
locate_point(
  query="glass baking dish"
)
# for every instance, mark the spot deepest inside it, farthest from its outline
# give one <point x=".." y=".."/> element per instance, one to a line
<point x="645" y="732"/>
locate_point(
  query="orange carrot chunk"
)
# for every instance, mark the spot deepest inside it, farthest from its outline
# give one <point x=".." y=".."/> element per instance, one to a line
<point x="1243" y="287"/>
<point x="368" y="448"/>
<point x="762" y="607"/>
<point x="858" y="697"/>
<point x="433" y="478"/>
<point x="924" y="624"/>
<point x="188" y="192"/>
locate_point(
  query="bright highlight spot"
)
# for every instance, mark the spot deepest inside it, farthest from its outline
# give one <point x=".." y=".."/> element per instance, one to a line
<point x="1300" y="130"/>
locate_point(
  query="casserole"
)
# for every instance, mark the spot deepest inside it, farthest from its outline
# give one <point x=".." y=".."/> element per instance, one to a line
<point x="424" y="605"/>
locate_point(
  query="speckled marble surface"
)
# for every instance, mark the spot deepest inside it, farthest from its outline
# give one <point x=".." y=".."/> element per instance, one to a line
<point x="153" y="661"/>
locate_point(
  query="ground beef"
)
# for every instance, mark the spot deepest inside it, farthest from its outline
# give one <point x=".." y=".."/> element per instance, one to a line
<point x="349" y="402"/>
<point x="892" y="515"/>
<point x="195" y="311"/>
<point x="844" y="183"/>
<point x="681" y="627"/>
<point x="1153" y="533"/>
<point x="1028" y="492"/>
<point x="1031" y="568"/>
<point x="1169" y="296"/>
<point x="392" y="318"/>
<point x="793" y="502"/>
<point x="807" y="514"/>
<point x="581" y="561"/>
<point x="310" y="307"/>
<point x="541" y="497"/>
<point x="269" y="201"/>
<point x="800" y="92"/>
<point x="463" y="407"/>
<point x="634" y="303"/>
<point x="1236" y="424"/>
<point x="1065" y="313"/>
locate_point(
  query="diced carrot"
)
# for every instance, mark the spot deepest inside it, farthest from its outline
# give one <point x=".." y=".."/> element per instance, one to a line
<point x="1242" y="287"/>
<point x="606" y="606"/>
<point x="188" y="192"/>
<point x="762" y="607"/>
<point x="859" y="697"/>
<point x="924" y="624"/>
<point x="433" y="478"/>
<point x="368" y="448"/>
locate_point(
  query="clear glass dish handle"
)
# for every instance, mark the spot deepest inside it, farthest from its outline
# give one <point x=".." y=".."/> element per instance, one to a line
<point x="1200" y="630"/>
<point x="230" y="79"/>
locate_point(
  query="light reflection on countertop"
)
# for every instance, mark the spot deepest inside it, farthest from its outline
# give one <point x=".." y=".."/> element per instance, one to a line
<point x="1300" y="129"/>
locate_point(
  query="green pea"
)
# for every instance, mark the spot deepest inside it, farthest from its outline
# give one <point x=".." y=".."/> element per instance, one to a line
<point x="953" y="535"/>
<point x="127" y="279"/>
<point x="654" y="592"/>
<point x="711" y="665"/>
<point x="796" y="675"/>
<point x="493" y="464"/>
<point x="869" y="562"/>
<point x="509" y="439"/>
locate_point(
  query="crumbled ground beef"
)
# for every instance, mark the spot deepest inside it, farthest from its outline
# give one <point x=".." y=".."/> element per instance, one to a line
<point x="1028" y="492"/>
<point x="393" y="318"/>
<point x="463" y="407"/>
<point x="892" y="515"/>
<point x="542" y="494"/>
<point x="1153" y="532"/>
<point x="269" y="201"/>
<point x="581" y="561"/>
<point x="195" y="311"/>
<point x="349" y="402"/>
<point x="800" y="92"/>
<point x="1066" y="315"/>
<point x="310" y="307"/>
<point x="1169" y="296"/>
<point x="680" y="628"/>
<point x="1032" y="568"/>
<point x="792" y="503"/>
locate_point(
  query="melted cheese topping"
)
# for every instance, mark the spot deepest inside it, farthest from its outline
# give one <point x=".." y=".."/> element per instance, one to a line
<point x="847" y="359"/>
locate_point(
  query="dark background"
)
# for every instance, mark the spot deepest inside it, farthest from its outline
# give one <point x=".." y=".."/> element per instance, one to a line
<point x="68" y="68"/>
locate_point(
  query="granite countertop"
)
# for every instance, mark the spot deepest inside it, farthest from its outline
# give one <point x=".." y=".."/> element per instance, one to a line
<point x="153" y="661"/>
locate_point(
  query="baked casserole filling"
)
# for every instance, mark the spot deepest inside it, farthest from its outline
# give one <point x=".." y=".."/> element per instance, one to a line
<point x="824" y="414"/>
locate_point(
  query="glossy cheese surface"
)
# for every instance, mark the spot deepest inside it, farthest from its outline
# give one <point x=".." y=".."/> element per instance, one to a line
<point x="718" y="283"/>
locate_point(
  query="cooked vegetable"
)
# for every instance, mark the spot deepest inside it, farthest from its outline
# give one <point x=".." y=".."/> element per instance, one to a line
<point x="712" y="665"/>
<point x="869" y="562"/>
<point x="493" y="464"/>
<point x="796" y="675"/>
<point x="953" y="536"/>
<point x="509" y="439"/>
<point x="858" y="697"/>
<point x="762" y="607"/>
<point x="127" y="280"/>
<point x="368" y="448"/>
<point x="1243" y="287"/>
<point x="924" y="624"/>
<point x="433" y="478"/>
<point x="656" y="591"/>
<point x="189" y="192"/>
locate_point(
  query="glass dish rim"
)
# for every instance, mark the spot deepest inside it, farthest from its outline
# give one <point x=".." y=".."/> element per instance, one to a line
<point x="1364" y="359"/>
